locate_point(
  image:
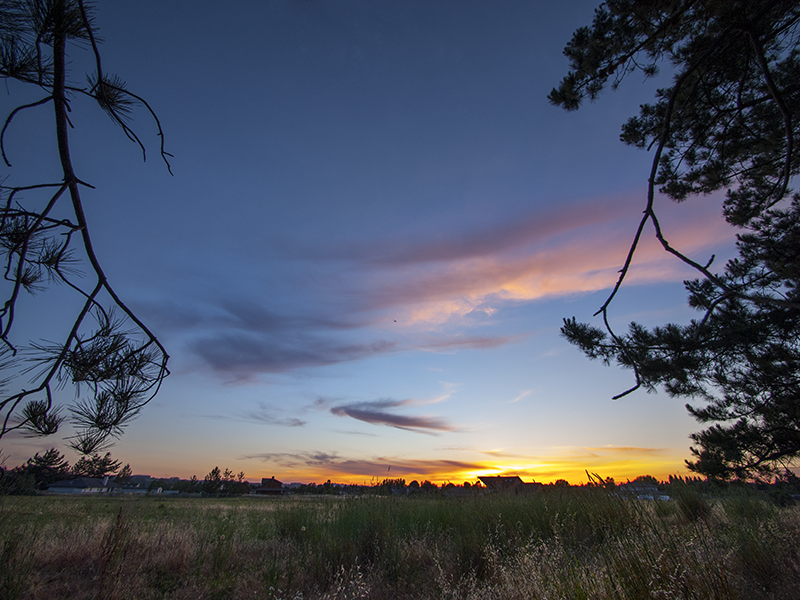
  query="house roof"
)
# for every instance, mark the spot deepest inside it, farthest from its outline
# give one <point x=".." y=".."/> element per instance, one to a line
<point x="511" y="483"/>
<point x="84" y="483"/>
<point x="499" y="481"/>
<point x="271" y="483"/>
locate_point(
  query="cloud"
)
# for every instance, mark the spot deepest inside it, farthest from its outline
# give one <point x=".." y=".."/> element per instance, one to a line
<point x="496" y="453"/>
<point x="365" y="300"/>
<point x="246" y="338"/>
<point x="578" y="261"/>
<point x="381" y="466"/>
<point x="167" y="315"/>
<point x="491" y="239"/>
<point x="520" y="396"/>
<point x="354" y="432"/>
<point x="322" y="403"/>
<point x="266" y="415"/>
<point x="458" y="342"/>
<point x="627" y="450"/>
<point x="239" y="339"/>
<point x="247" y="315"/>
<point x="376" y="413"/>
<point x="241" y="354"/>
<point x="244" y="353"/>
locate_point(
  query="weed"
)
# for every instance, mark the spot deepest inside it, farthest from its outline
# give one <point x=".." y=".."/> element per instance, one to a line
<point x="16" y="564"/>
<point x="112" y="556"/>
<point x="573" y="543"/>
<point x="691" y="504"/>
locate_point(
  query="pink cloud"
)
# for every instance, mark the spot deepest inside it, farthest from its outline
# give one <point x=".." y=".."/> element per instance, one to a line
<point x="570" y="249"/>
<point x="496" y="239"/>
<point x="567" y="259"/>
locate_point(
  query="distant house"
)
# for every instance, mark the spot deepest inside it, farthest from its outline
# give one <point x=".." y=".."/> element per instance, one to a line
<point x="269" y="487"/>
<point x="139" y="480"/>
<point x="84" y="485"/>
<point x="513" y="485"/>
<point x="642" y="491"/>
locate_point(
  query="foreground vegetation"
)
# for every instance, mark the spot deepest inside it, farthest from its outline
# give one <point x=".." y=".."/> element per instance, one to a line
<point x="567" y="543"/>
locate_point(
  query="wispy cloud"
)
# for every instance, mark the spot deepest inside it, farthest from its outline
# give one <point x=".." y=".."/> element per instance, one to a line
<point x="248" y="315"/>
<point x="491" y="239"/>
<point x="465" y="342"/>
<point x="627" y="450"/>
<point x="264" y="415"/>
<point x="577" y="261"/>
<point x="267" y="415"/>
<point x="354" y="432"/>
<point x="378" y="413"/>
<point x="521" y="395"/>
<point x="239" y="355"/>
<point x="380" y="466"/>
<point x="244" y="353"/>
<point x="366" y="300"/>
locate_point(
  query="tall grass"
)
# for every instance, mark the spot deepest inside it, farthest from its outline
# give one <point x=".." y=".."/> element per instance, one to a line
<point x="573" y="543"/>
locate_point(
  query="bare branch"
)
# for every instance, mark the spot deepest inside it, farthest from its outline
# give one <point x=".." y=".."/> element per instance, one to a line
<point x="8" y="122"/>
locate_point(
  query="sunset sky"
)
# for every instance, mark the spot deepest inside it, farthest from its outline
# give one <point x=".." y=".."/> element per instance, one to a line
<point x="376" y="225"/>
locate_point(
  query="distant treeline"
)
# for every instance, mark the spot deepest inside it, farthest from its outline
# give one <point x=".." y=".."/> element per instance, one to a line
<point x="40" y="471"/>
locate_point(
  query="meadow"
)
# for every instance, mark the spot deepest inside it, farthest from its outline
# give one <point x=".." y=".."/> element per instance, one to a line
<point x="568" y="543"/>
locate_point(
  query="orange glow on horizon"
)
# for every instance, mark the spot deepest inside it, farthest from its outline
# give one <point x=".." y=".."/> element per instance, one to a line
<point x="570" y="468"/>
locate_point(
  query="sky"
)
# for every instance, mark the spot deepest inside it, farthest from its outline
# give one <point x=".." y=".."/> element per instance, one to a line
<point x="375" y="227"/>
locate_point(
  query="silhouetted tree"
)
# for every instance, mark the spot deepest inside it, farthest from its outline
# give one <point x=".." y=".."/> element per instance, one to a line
<point x="646" y="479"/>
<point x="212" y="483"/>
<point x="224" y="482"/>
<point x="117" y="364"/>
<point x="237" y="488"/>
<point x="95" y="466"/>
<point x="234" y="483"/>
<point x="124" y="475"/>
<point x="389" y="486"/>
<point x="729" y="121"/>
<point x="48" y="468"/>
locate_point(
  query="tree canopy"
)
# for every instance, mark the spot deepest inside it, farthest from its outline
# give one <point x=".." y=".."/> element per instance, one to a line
<point x="111" y="357"/>
<point x="52" y="466"/>
<point x="96" y="466"/>
<point x="728" y="121"/>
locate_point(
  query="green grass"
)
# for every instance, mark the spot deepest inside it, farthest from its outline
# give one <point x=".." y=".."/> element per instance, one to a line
<point x="573" y="543"/>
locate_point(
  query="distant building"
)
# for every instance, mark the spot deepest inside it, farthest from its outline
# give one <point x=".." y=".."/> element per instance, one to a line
<point x="642" y="491"/>
<point x="269" y="487"/>
<point x="84" y="485"/>
<point x="513" y="484"/>
<point x="139" y="481"/>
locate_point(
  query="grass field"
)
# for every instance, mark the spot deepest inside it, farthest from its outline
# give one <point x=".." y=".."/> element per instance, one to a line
<point x="571" y="543"/>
